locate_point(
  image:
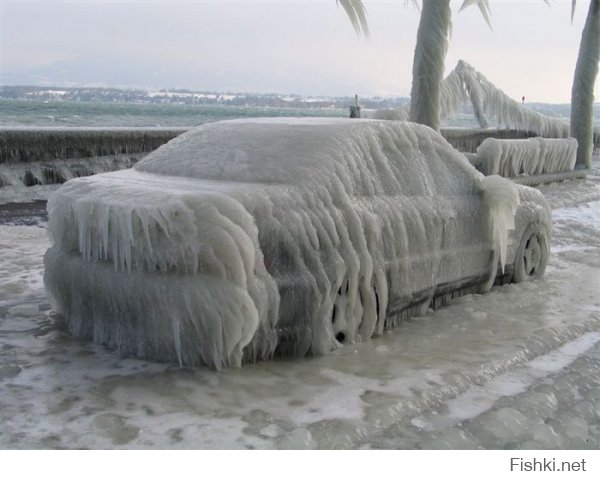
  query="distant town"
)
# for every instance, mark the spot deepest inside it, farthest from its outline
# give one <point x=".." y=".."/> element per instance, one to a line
<point x="189" y="97"/>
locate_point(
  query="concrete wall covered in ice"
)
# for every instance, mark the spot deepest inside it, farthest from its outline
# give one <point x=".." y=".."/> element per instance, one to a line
<point x="42" y="156"/>
<point x="18" y="145"/>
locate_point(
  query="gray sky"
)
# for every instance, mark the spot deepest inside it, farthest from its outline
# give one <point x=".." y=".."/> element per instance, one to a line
<point x="306" y="47"/>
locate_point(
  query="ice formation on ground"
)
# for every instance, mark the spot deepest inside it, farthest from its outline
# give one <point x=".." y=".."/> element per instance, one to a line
<point x="242" y="237"/>
<point x="532" y="156"/>
<point x="465" y="84"/>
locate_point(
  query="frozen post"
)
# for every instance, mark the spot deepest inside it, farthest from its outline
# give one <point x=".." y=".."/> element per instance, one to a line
<point x="355" y="109"/>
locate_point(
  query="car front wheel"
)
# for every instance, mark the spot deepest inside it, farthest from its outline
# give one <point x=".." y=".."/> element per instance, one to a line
<point x="532" y="254"/>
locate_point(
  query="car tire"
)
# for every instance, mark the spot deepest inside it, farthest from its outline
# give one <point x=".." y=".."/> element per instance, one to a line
<point x="532" y="254"/>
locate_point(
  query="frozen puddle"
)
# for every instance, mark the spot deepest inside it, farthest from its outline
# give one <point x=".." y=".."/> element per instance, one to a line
<point x="479" y="399"/>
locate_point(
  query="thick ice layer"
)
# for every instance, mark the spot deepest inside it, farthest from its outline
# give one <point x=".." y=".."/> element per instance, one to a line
<point x="315" y="231"/>
<point x="533" y="156"/>
<point x="205" y="246"/>
<point x="501" y="199"/>
<point x="44" y="144"/>
<point x="433" y="36"/>
<point x="29" y="174"/>
<point x="399" y="113"/>
<point x="469" y="139"/>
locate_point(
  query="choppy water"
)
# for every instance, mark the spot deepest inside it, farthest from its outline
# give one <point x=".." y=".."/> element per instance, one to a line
<point x="94" y="114"/>
<point x="516" y="368"/>
<point x="35" y="113"/>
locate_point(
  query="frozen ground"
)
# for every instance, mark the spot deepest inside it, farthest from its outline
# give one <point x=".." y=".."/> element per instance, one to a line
<point x="516" y="368"/>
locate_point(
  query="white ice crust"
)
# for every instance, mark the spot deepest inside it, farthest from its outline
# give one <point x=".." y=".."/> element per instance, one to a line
<point x="239" y="234"/>
<point x="532" y="156"/>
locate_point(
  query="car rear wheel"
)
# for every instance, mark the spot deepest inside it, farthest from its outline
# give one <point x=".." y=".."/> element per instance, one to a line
<point x="532" y="254"/>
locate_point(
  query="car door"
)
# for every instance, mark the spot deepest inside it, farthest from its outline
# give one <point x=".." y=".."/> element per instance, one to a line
<point x="466" y="248"/>
<point x="442" y="239"/>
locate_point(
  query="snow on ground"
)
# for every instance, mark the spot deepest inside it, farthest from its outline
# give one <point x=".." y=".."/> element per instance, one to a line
<point x="516" y="368"/>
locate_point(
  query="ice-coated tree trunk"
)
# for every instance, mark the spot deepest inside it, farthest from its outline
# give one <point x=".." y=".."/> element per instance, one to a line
<point x="582" y="95"/>
<point x="476" y="96"/>
<point x="428" y="63"/>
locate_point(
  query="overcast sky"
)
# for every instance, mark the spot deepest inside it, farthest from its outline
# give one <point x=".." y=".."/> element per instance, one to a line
<point x="306" y="47"/>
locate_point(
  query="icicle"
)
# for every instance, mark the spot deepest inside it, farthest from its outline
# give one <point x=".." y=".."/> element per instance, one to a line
<point x="501" y="199"/>
<point x="176" y="325"/>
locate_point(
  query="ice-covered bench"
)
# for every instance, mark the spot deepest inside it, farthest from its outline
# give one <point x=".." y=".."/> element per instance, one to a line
<point x="532" y="160"/>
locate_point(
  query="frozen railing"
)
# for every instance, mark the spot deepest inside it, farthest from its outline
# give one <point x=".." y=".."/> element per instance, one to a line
<point x="29" y="174"/>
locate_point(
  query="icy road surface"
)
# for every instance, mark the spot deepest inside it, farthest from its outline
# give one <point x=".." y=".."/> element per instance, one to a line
<point x="516" y="368"/>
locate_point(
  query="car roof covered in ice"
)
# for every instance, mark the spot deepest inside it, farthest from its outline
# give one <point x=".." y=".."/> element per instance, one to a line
<point x="367" y="154"/>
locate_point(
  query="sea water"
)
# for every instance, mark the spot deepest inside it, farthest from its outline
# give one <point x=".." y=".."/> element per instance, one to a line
<point x="96" y="114"/>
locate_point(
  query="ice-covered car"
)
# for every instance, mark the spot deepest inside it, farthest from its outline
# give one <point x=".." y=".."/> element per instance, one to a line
<point x="240" y="240"/>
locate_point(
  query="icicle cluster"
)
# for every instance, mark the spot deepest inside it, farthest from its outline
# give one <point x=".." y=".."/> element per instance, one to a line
<point x="465" y="84"/>
<point x="59" y="171"/>
<point x="44" y="144"/>
<point x="242" y="237"/>
<point x="195" y="273"/>
<point x="501" y="199"/>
